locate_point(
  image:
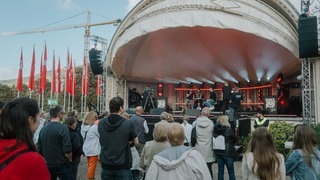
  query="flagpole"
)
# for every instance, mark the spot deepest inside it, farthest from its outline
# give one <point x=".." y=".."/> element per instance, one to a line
<point x="64" y="98"/>
<point x="69" y="102"/>
<point x="39" y="98"/>
<point x="42" y="100"/>
<point x="18" y="94"/>
<point x="30" y="93"/>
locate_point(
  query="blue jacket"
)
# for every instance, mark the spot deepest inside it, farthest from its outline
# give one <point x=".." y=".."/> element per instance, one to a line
<point x="298" y="168"/>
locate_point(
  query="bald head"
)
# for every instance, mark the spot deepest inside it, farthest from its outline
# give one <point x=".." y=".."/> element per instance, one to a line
<point x="139" y="110"/>
<point x="205" y="111"/>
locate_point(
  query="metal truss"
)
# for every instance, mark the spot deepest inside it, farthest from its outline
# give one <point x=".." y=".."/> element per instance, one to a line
<point x="306" y="91"/>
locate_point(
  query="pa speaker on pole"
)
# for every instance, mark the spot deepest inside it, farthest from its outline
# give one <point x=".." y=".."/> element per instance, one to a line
<point x="308" y="37"/>
<point x="95" y="61"/>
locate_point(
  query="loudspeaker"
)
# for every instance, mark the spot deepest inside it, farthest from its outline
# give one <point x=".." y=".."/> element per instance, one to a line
<point x="156" y="111"/>
<point x="95" y="61"/>
<point x="192" y="112"/>
<point x="308" y="37"/>
<point x="244" y="127"/>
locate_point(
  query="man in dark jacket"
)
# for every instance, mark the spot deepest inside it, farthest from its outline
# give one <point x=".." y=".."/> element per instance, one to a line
<point x="226" y="92"/>
<point x="234" y="106"/>
<point x="116" y="135"/>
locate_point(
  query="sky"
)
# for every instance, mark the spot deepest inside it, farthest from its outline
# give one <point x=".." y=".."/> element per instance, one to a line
<point x="24" y="15"/>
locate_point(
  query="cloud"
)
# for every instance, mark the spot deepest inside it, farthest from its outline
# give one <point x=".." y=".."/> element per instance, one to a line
<point x="65" y="4"/>
<point x="6" y="73"/>
<point x="131" y="4"/>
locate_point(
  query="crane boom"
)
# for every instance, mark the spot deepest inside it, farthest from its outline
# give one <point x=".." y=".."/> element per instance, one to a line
<point x="43" y="30"/>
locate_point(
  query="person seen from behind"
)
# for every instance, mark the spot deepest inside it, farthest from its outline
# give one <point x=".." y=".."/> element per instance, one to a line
<point x="178" y="161"/>
<point x="303" y="161"/>
<point x="262" y="161"/>
<point x="226" y="156"/>
<point x="187" y="129"/>
<point x="158" y="144"/>
<point x="55" y="145"/>
<point x="91" y="145"/>
<point x="76" y="142"/>
<point x="204" y="133"/>
<point x="19" y="159"/>
<point x="116" y="136"/>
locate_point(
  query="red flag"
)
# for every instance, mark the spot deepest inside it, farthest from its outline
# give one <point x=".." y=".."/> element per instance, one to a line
<point x="44" y="70"/>
<point x="74" y="80"/>
<point x="40" y="78"/>
<point x="19" y="81"/>
<point x="68" y="90"/>
<point x="98" y="88"/>
<point x="53" y="80"/>
<point x="59" y="77"/>
<point x="31" y="77"/>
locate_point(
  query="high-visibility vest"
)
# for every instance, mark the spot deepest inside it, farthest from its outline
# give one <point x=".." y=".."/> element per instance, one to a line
<point x="260" y="123"/>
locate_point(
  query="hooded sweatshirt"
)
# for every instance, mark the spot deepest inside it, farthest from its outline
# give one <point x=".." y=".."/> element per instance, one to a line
<point x="204" y="128"/>
<point x="28" y="165"/>
<point x="115" y="134"/>
<point x="171" y="164"/>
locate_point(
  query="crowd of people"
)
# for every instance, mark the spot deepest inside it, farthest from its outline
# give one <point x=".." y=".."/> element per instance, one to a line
<point x="34" y="148"/>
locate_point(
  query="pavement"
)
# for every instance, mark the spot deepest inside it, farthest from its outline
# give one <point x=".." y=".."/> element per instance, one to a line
<point x="82" y="171"/>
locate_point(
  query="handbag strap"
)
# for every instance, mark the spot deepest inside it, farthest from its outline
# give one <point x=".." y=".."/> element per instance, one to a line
<point x="9" y="160"/>
<point x="85" y="135"/>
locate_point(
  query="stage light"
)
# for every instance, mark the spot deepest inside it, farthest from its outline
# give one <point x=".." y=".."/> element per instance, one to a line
<point x="160" y="89"/>
<point x="280" y="78"/>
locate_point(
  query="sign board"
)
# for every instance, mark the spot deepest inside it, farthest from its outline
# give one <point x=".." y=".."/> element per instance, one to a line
<point x="270" y="104"/>
<point x="52" y="102"/>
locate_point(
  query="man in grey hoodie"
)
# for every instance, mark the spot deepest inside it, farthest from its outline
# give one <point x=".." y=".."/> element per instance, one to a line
<point x="116" y="136"/>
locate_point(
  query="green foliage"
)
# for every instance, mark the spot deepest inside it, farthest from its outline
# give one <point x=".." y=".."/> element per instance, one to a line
<point x="282" y="132"/>
<point x="244" y="141"/>
<point x="316" y="129"/>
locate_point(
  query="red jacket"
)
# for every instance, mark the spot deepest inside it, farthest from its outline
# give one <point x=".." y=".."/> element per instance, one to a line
<point x="29" y="165"/>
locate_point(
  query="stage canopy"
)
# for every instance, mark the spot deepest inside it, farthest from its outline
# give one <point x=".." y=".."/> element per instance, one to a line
<point x="206" y="41"/>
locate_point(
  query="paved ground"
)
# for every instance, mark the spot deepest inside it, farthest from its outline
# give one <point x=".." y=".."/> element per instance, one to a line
<point x="82" y="171"/>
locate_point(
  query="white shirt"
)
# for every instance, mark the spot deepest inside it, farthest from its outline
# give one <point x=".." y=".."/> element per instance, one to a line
<point x="187" y="131"/>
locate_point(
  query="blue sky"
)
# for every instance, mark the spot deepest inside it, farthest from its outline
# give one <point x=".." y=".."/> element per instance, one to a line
<point x="21" y="15"/>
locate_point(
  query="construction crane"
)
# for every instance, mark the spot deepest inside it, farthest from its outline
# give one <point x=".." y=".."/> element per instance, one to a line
<point x="86" y="44"/>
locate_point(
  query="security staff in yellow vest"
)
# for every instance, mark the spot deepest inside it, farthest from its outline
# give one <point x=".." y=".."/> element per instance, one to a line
<point x="260" y="121"/>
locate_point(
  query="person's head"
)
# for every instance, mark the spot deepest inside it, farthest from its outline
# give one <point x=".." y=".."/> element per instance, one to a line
<point x="90" y="118"/>
<point x="211" y="89"/>
<point x="305" y="139"/>
<point x="176" y="135"/>
<point x="73" y="113"/>
<point x="164" y="116"/>
<point x="160" y="132"/>
<point x="170" y="118"/>
<point x="224" y="120"/>
<point x="125" y="115"/>
<point x="236" y="88"/>
<point x="185" y="117"/>
<point x="259" y="114"/>
<point x="56" y="112"/>
<point x="19" y="120"/>
<point x="264" y="151"/>
<point x="71" y="122"/>
<point x="205" y="111"/>
<point x="116" y="105"/>
<point x="139" y="110"/>
<point x="226" y="84"/>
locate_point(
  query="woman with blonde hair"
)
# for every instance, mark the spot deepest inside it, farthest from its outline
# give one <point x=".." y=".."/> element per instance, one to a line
<point x="304" y="159"/>
<point x="91" y="144"/>
<point x="262" y="161"/>
<point x="225" y="156"/>
<point x="158" y="144"/>
<point x="178" y="161"/>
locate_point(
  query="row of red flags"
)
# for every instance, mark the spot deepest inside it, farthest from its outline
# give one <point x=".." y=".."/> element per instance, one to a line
<point x="70" y="76"/>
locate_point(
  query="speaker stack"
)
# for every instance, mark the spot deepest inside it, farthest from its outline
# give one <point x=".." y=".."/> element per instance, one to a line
<point x="308" y="37"/>
<point x="95" y="61"/>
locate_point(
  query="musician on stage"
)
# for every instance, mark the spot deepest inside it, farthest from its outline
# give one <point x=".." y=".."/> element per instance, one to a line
<point x="199" y="99"/>
<point x="189" y="99"/>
